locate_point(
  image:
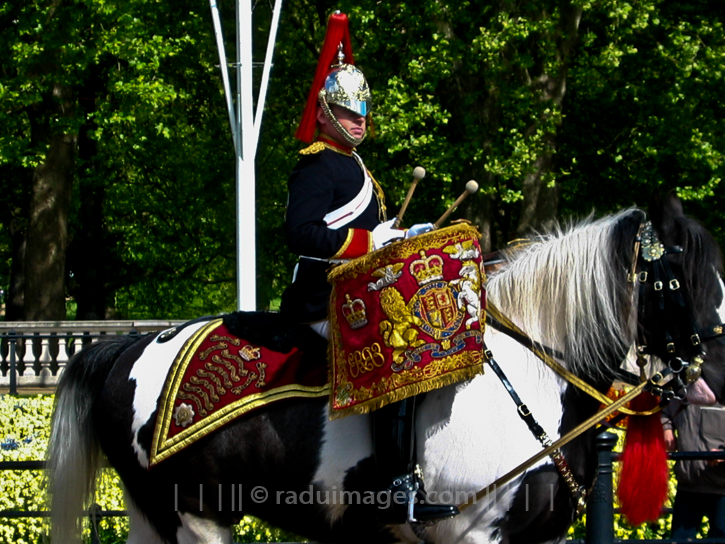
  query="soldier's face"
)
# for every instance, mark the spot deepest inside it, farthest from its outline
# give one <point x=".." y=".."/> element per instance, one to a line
<point x="353" y="122"/>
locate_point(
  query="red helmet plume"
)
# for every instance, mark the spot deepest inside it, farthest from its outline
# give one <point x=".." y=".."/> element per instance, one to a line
<point x="338" y="32"/>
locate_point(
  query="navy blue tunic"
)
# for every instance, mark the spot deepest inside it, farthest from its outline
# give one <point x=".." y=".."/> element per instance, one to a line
<point x="320" y="183"/>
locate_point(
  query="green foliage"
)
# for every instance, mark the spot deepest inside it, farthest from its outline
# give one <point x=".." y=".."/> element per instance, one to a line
<point x="644" y="109"/>
<point x="26" y="428"/>
<point x="152" y="144"/>
<point x="594" y="103"/>
<point x="25" y="424"/>
<point x="455" y="91"/>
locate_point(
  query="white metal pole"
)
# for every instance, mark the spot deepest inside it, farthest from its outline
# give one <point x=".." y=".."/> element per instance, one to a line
<point x="246" y="217"/>
<point x="225" y="72"/>
<point x="271" y="39"/>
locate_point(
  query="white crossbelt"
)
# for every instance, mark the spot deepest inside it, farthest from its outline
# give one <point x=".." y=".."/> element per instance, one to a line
<point x="342" y="216"/>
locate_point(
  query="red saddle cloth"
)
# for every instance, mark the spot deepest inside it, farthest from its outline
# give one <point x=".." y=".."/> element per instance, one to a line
<point x="406" y="319"/>
<point x="217" y="377"/>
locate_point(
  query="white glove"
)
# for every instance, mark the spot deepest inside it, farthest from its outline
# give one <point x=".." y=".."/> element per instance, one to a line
<point x="384" y="233"/>
<point x="420" y="228"/>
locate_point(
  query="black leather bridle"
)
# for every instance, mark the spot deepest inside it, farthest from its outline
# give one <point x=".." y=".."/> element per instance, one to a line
<point x="681" y="347"/>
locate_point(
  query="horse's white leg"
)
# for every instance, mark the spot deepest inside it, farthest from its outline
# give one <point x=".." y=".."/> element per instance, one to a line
<point x="345" y="443"/>
<point x="140" y="530"/>
<point x="193" y="530"/>
<point x="196" y="530"/>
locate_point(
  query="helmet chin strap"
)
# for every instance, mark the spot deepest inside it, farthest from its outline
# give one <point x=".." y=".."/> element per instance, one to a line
<point x="349" y="138"/>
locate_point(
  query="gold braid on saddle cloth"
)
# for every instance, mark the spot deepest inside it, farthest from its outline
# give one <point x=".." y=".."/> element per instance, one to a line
<point x="218" y="376"/>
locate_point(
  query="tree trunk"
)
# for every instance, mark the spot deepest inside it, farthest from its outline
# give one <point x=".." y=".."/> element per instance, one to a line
<point x="88" y="254"/>
<point x="541" y="202"/>
<point x="89" y="257"/>
<point x="14" y="302"/>
<point x="47" y="233"/>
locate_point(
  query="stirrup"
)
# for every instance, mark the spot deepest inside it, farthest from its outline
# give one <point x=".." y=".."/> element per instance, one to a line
<point x="418" y="510"/>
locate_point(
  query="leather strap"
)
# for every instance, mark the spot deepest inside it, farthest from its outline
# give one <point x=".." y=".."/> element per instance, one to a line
<point x="500" y="322"/>
<point x="580" y="429"/>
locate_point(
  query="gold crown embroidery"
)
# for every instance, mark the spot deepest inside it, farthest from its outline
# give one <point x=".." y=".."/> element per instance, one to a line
<point x="427" y="269"/>
<point x="250" y="353"/>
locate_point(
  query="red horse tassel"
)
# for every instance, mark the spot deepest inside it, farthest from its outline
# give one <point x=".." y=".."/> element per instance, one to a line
<point x="644" y="473"/>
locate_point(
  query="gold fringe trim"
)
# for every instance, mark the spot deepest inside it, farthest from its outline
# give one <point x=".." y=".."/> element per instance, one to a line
<point x="362" y="265"/>
<point x="407" y="391"/>
<point x="401" y="250"/>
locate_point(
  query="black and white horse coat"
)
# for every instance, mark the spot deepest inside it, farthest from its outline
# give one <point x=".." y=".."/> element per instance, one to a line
<point x="290" y="465"/>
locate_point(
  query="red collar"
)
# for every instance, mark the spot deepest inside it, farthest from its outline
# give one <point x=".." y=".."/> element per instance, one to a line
<point x="337" y="146"/>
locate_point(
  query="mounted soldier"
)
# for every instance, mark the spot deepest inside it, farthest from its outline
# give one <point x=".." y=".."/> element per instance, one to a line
<point x="336" y="212"/>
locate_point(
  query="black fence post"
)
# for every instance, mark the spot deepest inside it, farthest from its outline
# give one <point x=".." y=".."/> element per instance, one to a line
<point x="600" y="509"/>
<point x="94" y="516"/>
<point x="13" y="370"/>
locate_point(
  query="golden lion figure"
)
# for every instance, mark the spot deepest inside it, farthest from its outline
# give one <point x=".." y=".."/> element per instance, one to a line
<point x="398" y="331"/>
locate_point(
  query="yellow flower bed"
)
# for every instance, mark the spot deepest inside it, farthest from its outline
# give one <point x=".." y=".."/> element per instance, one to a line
<point x="24" y="431"/>
<point x="659" y="529"/>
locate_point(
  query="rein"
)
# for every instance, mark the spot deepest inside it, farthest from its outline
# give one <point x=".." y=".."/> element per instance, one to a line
<point x="651" y="251"/>
<point x="571" y="435"/>
<point x="501" y="323"/>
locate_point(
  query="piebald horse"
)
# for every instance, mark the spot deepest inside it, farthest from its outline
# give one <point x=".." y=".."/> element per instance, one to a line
<point x="579" y="291"/>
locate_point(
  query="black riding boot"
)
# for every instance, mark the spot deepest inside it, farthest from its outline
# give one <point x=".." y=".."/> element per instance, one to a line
<point x="394" y="447"/>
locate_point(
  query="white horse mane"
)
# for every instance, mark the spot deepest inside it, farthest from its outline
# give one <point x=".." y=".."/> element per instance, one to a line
<point x="568" y="292"/>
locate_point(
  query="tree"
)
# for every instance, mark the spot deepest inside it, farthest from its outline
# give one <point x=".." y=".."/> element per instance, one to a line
<point x="645" y="109"/>
<point x="554" y="107"/>
<point x="39" y="107"/>
<point x="123" y="100"/>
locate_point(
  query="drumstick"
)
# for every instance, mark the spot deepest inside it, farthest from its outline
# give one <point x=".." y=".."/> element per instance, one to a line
<point x="471" y="187"/>
<point x="418" y="174"/>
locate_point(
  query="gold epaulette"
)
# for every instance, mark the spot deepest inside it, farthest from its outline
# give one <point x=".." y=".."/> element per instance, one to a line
<point x="316" y="147"/>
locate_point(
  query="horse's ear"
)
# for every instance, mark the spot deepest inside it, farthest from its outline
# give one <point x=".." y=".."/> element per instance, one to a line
<point x="663" y="210"/>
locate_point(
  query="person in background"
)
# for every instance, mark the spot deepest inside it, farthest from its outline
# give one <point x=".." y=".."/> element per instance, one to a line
<point x="700" y="483"/>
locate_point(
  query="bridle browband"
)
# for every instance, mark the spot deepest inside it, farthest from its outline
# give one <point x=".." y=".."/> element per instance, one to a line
<point x="652" y="254"/>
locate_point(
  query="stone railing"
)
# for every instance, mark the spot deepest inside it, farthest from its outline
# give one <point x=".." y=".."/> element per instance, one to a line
<point x="33" y="354"/>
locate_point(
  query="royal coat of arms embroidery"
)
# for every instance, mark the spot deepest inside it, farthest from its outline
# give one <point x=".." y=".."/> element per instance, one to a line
<point x="405" y="319"/>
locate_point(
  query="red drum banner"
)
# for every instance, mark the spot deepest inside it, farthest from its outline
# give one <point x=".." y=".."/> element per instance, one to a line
<point x="406" y="319"/>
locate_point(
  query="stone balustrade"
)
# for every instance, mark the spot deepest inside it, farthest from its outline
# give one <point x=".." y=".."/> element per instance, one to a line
<point x="39" y="350"/>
